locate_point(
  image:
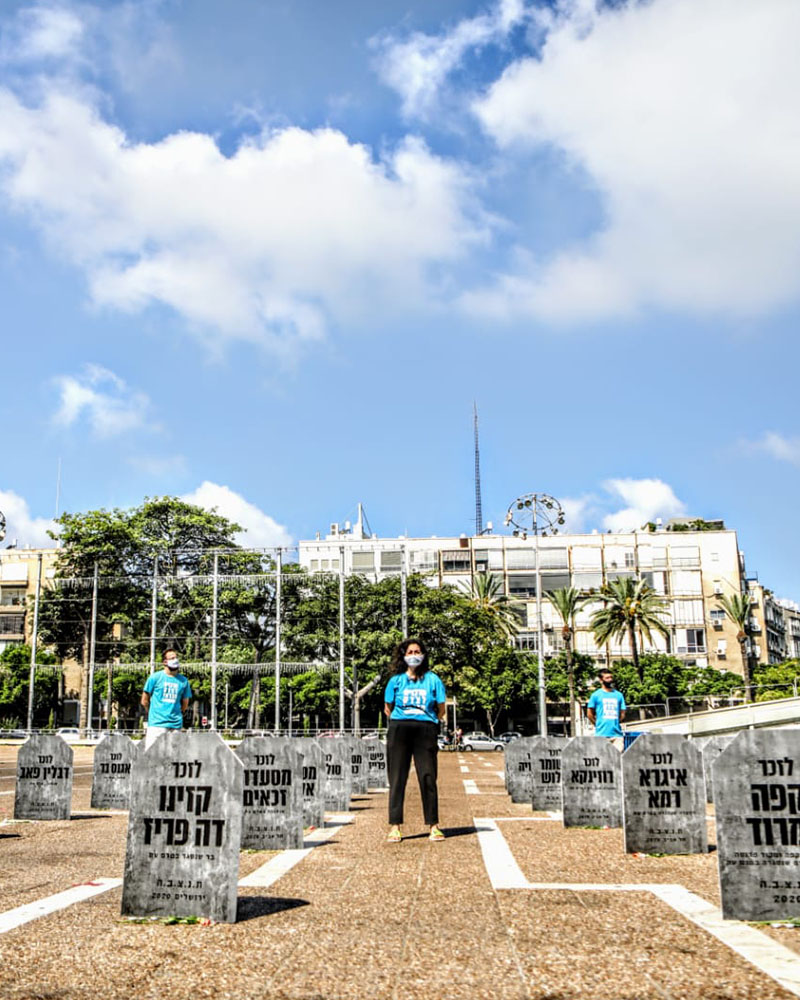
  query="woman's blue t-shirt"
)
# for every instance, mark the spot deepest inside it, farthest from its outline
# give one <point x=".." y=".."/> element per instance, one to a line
<point x="415" y="699"/>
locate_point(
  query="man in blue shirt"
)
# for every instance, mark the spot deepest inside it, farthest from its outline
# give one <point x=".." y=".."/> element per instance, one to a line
<point x="166" y="697"/>
<point x="606" y="708"/>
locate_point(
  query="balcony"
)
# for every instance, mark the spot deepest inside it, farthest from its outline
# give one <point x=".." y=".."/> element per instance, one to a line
<point x="12" y="624"/>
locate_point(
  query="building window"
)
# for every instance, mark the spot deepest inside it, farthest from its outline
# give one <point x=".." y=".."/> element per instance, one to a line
<point x="553" y="558"/>
<point x="11" y="596"/>
<point x="687" y="612"/>
<point x="423" y="560"/>
<point x="691" y="640"/>
<point x="456" y="561"/>
<point x="527" y="641"/>
<point x="520" y="559"/>
<point x="554" y="581"/>
<point x="717" y="616"/>
<point x="522" y="584"/>
<point x="686" y="582"/>
<point x="334" y="563"/>
<point x="585" y="580"/>
<point x="12" y="624"/>
<point x="685" y="555"/>
<point x="391" y="562"/>
<point x="363" y="562"/>
<point x="314" y="565"/>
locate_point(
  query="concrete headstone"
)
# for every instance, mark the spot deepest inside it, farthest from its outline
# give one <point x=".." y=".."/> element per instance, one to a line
<point x="591" y="782"/>
<point x="184" y="829"/>
<point x="272" y="793"/>
<point x="518" y="769"/>
<point x="44" y="779"/>
<point x="545" y="753"/>
<point x="664" y="796"/>
<point x="377" y="773"/>
<point x="711" y="748"/>
<point x="114" y="757"/>
<point x="338" y="775"/>
<point x="358" y="765"/>
<point x="757" y="806"/>
<point x="313" y="781"/>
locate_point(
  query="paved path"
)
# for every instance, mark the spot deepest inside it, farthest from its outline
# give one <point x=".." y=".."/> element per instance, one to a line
<point x="359" y="918"/>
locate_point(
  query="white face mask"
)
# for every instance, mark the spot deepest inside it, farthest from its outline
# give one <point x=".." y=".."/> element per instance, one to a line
<point x="413" y="661"/>
<point x="172" y="664"/>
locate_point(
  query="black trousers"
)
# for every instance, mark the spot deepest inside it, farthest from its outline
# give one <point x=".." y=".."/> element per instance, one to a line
<point x="405" y="740"/>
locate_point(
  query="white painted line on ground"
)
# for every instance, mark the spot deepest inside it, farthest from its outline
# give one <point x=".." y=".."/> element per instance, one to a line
<point x="465" y="768"/>
<point x="501" y="775"/>
<point x="276" y="867"/>
<point x="470" y="787"/>
<point x="50" y="904"/>
<point x="779" y="963"/>
<point x="7" y="793"/>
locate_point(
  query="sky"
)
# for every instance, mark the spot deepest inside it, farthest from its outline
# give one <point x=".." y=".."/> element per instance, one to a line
<point x="267" y="255"/>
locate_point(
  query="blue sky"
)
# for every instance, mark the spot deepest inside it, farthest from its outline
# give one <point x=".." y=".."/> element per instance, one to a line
<point x="266" y="255"/>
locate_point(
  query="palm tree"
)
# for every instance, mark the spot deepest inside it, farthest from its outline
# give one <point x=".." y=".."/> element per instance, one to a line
<point x="737" y="608"/>
<point x="486" y="592"/>
<point x="568" y="601"/>
<point x="628" y="603"/>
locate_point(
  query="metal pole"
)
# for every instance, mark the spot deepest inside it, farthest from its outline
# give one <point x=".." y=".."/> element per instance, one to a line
<point x="153" y="616"/>
<point x="341" y="638"/>
<point x="227" y="689"/>
<point x="290" y="709"/>
<point x="278" y="570"/>
<point x="214" y="610"/>
<point x="539" y="634"/>
<point x="403" y="593"/>
<point x="92" y="647"/>
<point x="34" y="642"/>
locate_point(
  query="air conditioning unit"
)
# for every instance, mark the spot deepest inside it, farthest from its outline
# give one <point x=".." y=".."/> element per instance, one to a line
<point x="717" y="588"/>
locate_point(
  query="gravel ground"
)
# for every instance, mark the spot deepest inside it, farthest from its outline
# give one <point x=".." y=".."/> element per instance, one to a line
<point x="362" y="918"/>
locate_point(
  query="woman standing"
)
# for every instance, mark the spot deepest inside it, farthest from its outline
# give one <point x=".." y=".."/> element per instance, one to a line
<point x="415" y="704"/>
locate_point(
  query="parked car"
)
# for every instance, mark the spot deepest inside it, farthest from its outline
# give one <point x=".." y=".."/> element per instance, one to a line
<point x="480" y="741"/>
<point x="13" y="734"/>
<point x="69" y="733"/>
<point x="508" y="737"/>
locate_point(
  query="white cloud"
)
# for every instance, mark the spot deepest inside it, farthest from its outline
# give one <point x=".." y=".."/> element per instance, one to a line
<point x="269" y="244"/>
<point x="646" y="499"/>
<point x="103" y="399"/>
<point x="417" y="67"/>
<point x="42" y="31"/>
<point x="260" y="530"/>
<point x="21" y="527"/>
<point x="778" y="446"/>
<point x="683" y="113"/>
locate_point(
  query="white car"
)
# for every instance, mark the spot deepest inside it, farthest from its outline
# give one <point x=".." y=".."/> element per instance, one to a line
<point x="480" y="741"/>
<point x="69" y="733"/>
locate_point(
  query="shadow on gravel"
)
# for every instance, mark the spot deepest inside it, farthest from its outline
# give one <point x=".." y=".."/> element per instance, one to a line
<point x="448" y="831"/>
<point x="7" y="835"/>
<point x="75" y="816"/>
<point x="250" y="907"/>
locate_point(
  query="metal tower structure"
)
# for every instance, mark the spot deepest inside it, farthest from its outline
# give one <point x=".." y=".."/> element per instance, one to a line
<point x="478" y="509"/>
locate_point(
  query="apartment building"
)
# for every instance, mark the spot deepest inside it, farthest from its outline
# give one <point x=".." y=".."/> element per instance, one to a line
<point x="690" y="569"/>
<point x="19" y="570"/>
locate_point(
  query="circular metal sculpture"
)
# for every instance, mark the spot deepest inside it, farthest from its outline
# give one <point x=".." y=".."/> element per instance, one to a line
<point x="535" y="514"/>
<point x="2" y="526"/>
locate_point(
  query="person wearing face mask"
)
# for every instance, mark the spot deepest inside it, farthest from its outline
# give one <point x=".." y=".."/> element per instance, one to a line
<point x="165" y="698"/>
<point x="414" y="702"/>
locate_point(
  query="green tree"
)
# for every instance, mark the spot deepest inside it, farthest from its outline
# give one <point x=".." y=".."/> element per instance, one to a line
<point x="737" y="608"/>
<point x="629" y="603"/>
<point x="656" y="677"/>
<point x="504" y="677"/>
<point x="567" y="602"/>
<point x="15" y="666"/>
<point x="776" y="680"/>
<point x="486" y="593"/>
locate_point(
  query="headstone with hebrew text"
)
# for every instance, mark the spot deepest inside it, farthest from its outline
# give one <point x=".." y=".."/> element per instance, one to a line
<point x="338" y="773"/>
<point x="518" y="769"/>
<point x="272" y="793"/>
<point x="313" y="791"/>
<point x="757" y="807"/>
<point x="664" y="796"/>
<point x="591" y="783"/>
<point x="377" y="772"/>
<point x="114" y="757"/>
<point x="358" y="765"/>
<point x="184" y="829"/>
<point x="545" y="754"/>
<point x="44" y="779"/>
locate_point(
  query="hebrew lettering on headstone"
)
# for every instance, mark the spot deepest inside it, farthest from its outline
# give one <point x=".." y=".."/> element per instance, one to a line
<point x="272" y="793"/>
<point x="184" y="829"/>
<point x="664" y="797"/>
<point x="338" y="773"/>
<point x="711" y="748"/>
<point x="358" y="765"/>
<point x="377" y="773"/>
<point x="757" y="807"/>
<point x="545" y="754"/>
<point x="44" y="779"/>
<point x="313" y="791"/>
<point x="518" y="769"/>
<point x="591" y="783"/>
<point x="114" y="757"/>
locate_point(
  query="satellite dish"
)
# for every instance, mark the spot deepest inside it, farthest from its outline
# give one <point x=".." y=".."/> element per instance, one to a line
<point x="2" y="526"/>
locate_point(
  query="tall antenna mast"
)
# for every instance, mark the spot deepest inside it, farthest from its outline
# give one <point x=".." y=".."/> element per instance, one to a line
<point x="478" y="510"/>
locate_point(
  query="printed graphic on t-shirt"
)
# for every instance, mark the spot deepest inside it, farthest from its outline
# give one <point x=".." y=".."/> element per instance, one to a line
<point x="610" y="708"/>
<point x="169" y="691"/>
<point x="415" y="700"/>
